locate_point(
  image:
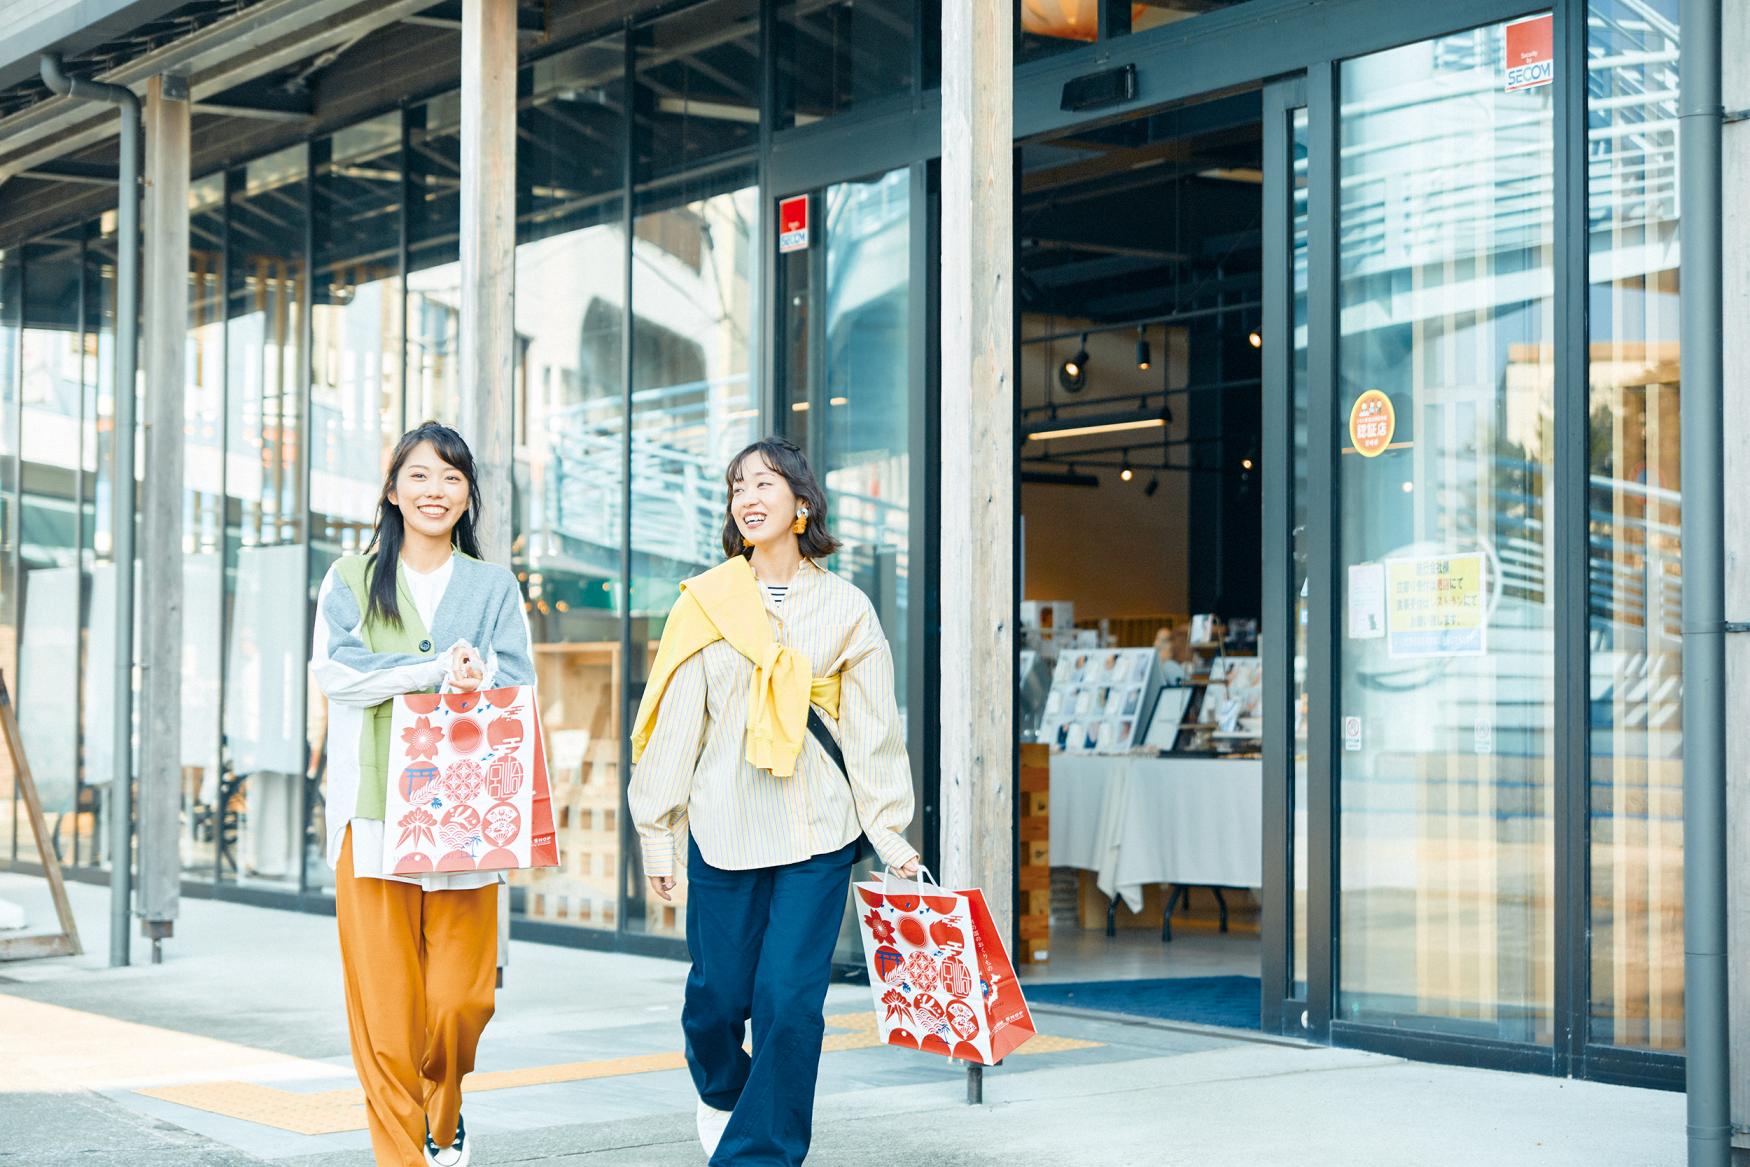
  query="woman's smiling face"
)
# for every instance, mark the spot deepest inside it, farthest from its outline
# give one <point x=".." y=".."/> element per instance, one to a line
<point x="762" y="503"/>
<point x="431" y="494"/>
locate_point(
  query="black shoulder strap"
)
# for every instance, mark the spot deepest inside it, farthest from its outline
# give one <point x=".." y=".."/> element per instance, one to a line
<point x="817" y="727"/>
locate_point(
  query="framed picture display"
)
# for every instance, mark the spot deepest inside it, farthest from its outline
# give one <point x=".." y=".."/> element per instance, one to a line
<point x="1169" y="712"/>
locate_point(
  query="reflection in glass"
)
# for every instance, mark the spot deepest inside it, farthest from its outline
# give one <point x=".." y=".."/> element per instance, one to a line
<point x="698" y="86"/>
<point x="11" y="325"/>
<point x="434" y="267"/>
<point x="859" y="419"/>
<point x="355" y="374"/>
<point x="1052" y="26"/>
<point x="98" y="765"/>
<point x="1446" y="694"/>
<point x="694" y="406"/>
<point x="570" y="276"/>
<point x="1636" y="590"/>
<point x="261" y="791"/>
<point x="51" y="647"/>
<point x="836" y="54"/>
<point x="203" y="525"/>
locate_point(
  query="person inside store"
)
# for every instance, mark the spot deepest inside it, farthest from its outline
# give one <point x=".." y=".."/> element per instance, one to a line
<point x="418" y="953"/>
<point x="770" y="734"/>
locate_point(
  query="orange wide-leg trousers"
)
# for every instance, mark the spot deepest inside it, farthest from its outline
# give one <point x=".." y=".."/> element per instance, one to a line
<point x="419" y="969"/>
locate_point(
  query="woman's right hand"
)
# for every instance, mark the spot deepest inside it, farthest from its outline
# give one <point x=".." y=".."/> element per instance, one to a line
<point x="662" y="885"/>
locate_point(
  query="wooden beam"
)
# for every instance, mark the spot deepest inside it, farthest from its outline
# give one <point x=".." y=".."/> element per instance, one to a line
<point x="163" y="340"/>
<point x="978" y="452"/>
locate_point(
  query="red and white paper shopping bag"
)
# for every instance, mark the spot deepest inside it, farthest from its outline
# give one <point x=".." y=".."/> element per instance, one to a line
<point x="940" y="972"/>
<point x="468" y="785"/>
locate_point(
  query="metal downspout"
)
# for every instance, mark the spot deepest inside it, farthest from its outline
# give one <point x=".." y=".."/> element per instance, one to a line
<point x="127" y="317"/>
<point x="1706" y="1032"/>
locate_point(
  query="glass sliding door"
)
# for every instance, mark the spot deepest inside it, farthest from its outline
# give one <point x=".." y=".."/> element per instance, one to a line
<point x="1444" y="399"/>
<point x="1634" y="511"/>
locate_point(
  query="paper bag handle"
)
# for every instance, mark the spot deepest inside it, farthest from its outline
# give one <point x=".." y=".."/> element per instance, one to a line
<point x="889" y="876"/>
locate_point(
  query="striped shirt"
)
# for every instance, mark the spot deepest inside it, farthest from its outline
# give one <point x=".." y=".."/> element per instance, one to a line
<point x="694" y="774"/>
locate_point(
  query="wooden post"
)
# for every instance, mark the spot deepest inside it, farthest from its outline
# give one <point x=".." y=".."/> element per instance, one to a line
<point x="488" y="340"/>
<point x="978" y="457"/>
<point x="165" y="335"/>
<point x="1735" y="434"/>
<point x="489" y="32"/>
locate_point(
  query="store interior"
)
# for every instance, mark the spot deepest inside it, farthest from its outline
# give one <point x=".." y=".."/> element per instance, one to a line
<point x="1139" y="302"/>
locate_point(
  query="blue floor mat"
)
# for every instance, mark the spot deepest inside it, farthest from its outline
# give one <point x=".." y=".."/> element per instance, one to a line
<point x="1231" y="1002"/>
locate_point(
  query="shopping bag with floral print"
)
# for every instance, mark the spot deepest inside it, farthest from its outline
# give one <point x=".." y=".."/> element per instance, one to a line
<point x="941" y="976"/>
<point x="468" y="784"/>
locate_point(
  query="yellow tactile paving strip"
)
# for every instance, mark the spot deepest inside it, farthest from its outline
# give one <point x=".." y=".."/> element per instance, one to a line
<point x="334" y="1111"/>
<point x="53" y="1049"/>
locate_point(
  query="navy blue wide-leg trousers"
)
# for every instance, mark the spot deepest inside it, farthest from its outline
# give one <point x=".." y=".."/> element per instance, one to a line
<point x="762" y="944"/>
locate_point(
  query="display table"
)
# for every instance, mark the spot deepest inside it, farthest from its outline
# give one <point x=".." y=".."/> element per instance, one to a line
<point x="1133" y="821"/>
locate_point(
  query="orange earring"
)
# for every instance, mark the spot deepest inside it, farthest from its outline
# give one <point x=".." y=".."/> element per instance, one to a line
<point x="801" y="523"/>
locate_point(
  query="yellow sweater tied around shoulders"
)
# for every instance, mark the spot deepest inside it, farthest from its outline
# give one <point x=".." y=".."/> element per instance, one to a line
<point x="724" y="604"/>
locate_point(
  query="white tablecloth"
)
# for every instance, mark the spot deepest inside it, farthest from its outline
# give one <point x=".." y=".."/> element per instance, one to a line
<point x="1134" y="821"/>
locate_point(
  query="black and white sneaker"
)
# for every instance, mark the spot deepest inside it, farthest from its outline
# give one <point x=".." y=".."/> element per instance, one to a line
<point x="454" y="1155"/>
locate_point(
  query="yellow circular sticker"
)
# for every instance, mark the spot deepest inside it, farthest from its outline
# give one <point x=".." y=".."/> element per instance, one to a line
<point x="1372" y="422"/>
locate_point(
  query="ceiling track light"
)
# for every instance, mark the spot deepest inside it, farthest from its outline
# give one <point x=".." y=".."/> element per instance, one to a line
<point x="1143" y="356"/>
<point x="1255" y="338"/>
<point x="1073" y="373"/>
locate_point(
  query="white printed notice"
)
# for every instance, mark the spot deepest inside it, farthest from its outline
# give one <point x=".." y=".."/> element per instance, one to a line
<point x="1366" y="601"/>
<point x="1436" y="605"/>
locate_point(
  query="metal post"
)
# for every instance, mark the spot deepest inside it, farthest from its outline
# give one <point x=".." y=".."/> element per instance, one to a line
<point x="1706" y="1030"/>
<point x="127" y="316"/>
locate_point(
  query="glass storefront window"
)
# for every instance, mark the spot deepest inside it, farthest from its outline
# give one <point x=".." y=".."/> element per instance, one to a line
<point x="11" y="325"/>
<point x="1052" y="26"/>
<point x="203" y="524"/>
<point x="695" y="404"/>
<point x="97" y="761"/>
<point x="570" y="267"/>
<point x="261" y="795"/>
<point x="355" y="370"/>
<point x="1445" y="400"/>
<point x="698" y="80"/>
<point x="1635" y="511"/>
<point x="834" y="55"/>
<point x="53" y="486"/>
<point x="434" y="262"/>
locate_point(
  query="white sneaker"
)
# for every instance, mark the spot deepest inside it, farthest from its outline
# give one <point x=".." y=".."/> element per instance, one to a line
<point x="711" y="1123"/>
<point x="456" y="1154"/>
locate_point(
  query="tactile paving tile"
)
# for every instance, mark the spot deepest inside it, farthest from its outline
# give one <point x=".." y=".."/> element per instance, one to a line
<point x="335" y="1111"/>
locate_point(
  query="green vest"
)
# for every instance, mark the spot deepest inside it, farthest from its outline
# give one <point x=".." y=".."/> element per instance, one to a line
<point x="380" y="636"/>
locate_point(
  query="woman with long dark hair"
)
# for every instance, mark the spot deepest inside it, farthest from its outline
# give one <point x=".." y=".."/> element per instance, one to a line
<point x="417" y="612"/>
<point x="769" y="733"/>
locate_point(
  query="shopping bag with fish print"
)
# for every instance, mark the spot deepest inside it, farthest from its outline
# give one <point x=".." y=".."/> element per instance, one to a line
<point x="940" y="973"/>
<point x="468" y="785"/>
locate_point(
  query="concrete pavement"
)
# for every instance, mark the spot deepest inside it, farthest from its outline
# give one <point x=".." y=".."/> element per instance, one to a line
<point x="234" y="1052"/>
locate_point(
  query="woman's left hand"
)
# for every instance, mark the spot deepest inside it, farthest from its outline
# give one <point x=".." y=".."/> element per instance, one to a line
<point x="908" y="869"/>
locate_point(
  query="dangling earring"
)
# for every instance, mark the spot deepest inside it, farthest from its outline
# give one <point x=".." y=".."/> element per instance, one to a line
<point x="801" y="523"/>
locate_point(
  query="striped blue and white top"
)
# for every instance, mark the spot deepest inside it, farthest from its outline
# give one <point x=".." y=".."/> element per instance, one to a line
<point x="695" y="776"/>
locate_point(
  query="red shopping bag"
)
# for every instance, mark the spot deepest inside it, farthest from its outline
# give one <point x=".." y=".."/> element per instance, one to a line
<point x="939" y="971"/>
<point x="468" y="784"/>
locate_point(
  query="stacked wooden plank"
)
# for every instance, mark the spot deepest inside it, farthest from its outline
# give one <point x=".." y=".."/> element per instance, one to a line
<point x="1033" y="860"/>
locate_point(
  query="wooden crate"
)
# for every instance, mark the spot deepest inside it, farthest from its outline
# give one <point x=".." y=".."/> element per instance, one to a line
<point x="1033" y="856"/>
